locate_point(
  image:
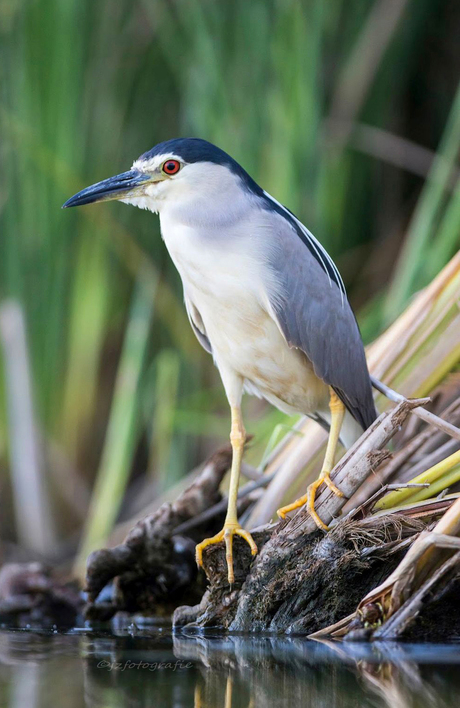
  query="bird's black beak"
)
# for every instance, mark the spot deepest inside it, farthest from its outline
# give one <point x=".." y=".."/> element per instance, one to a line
<point x="112" y="188"/>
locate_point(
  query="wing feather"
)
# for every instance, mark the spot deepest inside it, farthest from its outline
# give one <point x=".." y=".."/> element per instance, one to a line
<point x="314" y="315"/>
<point x="197" y="324"/>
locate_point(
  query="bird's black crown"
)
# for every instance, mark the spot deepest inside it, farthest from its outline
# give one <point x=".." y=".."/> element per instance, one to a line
<point x="198" y="150"/>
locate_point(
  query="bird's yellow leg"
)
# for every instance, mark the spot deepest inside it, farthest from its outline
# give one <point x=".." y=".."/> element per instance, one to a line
<point x="337" y="414"/>
<point x="231" y="525"/>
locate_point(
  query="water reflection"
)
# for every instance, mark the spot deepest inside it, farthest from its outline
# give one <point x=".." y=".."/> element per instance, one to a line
<point x="153" y="668"/>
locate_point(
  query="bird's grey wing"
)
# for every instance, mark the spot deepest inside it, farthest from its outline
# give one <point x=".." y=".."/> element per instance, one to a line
<point x="197" y="324"/>
<point x="313" y="312"/>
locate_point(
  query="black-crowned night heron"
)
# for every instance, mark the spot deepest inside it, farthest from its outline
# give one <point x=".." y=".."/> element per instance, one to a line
<point x="263" y="297"/>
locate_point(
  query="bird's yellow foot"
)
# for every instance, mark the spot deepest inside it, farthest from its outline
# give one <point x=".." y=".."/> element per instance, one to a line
<point x="226" y="535"/>
<point x="284" y="510"/>
<point x="309" y="499"/>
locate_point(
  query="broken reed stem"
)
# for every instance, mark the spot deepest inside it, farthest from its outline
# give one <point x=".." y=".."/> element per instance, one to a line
<point x="374" y="482"/>
<point x="425" y="415"/>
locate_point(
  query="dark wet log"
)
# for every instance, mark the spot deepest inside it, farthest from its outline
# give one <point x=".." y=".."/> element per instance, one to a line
<point x="154" y="569"/>
<point x="315" y="583"/>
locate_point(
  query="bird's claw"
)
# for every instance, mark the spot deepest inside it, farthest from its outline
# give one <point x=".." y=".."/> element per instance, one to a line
<point x="285" y="510"/>
<point x="226" y="535"/>
<point x="325" y="477"/>
<point x="309" y="500"/>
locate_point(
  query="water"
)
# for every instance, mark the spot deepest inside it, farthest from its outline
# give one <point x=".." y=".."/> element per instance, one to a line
<point x="158" y="669"/>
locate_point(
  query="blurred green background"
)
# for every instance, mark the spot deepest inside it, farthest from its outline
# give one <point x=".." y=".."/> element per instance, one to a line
<point x="346" y="111"/>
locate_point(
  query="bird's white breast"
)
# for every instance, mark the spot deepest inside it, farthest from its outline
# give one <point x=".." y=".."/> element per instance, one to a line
<point x="225" y="273"/>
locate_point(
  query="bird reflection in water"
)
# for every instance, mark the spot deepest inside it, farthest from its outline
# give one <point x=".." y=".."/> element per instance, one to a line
<point x="179" y="671"/>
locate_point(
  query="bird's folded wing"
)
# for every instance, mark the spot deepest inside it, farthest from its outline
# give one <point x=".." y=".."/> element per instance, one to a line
<point x="314" y="316"/>
<point x="197" y="324"/>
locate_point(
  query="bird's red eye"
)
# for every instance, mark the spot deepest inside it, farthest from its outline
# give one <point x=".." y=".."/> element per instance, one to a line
<point x="170" y="167"/>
